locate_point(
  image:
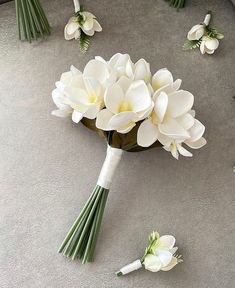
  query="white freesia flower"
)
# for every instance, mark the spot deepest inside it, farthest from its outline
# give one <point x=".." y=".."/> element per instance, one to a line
<point x="209" y="45"/>
<point x="162" y="257"/>
<point x="165" y="121"/>
<point x="84" y="20"/>
<point x="89" y="26"/>
<point x="159" y="255"/>
<point x="163" y="80"/>
<point x="122" y="65"/>
<point x="85" y="97"/>
<point x="72" y="29"/>
<point x="196" y="32"/>
<point x="172" y="121"/>
<point x="195" y="141"/>
<point x="81" y="94"/>
<point x="127" y="102"/>
<point x="58" y="95"/>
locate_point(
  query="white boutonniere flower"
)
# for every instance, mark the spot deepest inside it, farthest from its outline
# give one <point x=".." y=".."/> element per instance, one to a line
<point x="160" y="255"/>
<point x="81" y="26"/>
<point x="203" y="36"/>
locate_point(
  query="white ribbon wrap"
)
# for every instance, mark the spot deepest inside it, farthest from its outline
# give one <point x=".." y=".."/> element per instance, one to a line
<point x="111" y="161"/>
<point x="131" y="267"/>
<point x="76" y="5"/>
<point x="207" y="19"/>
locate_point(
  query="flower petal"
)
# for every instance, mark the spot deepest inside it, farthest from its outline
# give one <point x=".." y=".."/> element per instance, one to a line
<point x="113" y="98"/>
<point x="90" y="32"/>
<point x="88" y="24"/>
<point x="161" y="78"/>
<point x="138" y="95"/>
<point x="202" y="47"/>
<point x="152" y="263"/>
<point x="76" y="116"/>
<point x="197" y="144"/>
<point x="96" y="69"/>
<point x="76" y="95"/>
<point x="142" y="71"/>
<point x="121" y="120"/>
<point x="212" y="44"/>
<point x="164" y="140"/>
<point x="147" y="133"/>
<point x="165" y="257"/>
<point x="186" y="121"/>
<point x="97" y="26"/>
<point x="103" y="118"/>
<point x="172" y="129"/>
<point x="196" y="131"/>
<point x="179" y="103"/>
<point x="166" y="242"/>
<point x="72" y="26"/>
<point x="161" y="106"/>
<point x="183" y="151"/>
<point x="126" y="129"/>
<point x="170" y="265"/>
<point x="92" y="111"/>
<point x="124" y="83"/>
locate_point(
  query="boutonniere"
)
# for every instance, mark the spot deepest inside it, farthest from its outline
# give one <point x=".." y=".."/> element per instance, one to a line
<point x="160" y="255"/>
<point x="82" y="26"/>
<point x="203" y="36"/>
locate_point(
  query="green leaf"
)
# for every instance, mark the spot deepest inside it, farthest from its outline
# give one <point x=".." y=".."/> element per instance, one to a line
<point x="84" y="42"/>
<point x="191" y="44"/>
<point x="213" y="33"/>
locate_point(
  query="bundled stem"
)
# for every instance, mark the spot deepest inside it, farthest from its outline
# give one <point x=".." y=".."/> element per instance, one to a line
<point x="81" y="239"/>
<point x="31" y="20"/>
<point x="177" y="3"/>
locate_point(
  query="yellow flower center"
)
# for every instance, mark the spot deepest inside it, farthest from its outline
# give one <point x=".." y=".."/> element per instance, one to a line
<point x="125" y="107"/>
<point x="154" y="118"/>
<point x="92" y="98"/>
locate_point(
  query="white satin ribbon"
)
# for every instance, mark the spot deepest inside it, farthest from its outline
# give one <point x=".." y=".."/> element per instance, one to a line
<point x="76" y="5"/>
<point x="131" y="267"/>
<point x="111" y="161"/>
<point x="207" y="19"/>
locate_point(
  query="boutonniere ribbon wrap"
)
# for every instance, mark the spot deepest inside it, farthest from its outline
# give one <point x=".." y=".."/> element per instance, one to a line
<point x="160" y="255"/>
<point x="133" y="111"/>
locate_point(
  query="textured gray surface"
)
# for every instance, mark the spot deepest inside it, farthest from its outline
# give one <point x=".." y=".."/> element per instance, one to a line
<point x="49" y="166"/>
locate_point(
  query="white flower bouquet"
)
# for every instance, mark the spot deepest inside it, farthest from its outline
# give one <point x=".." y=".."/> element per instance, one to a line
<point x="133" y="110"/>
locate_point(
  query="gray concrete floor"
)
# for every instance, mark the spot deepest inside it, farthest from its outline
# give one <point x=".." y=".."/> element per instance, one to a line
<point x="49" y="166"/>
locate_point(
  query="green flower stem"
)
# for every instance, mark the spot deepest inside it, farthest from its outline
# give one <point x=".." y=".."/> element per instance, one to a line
<point x="177" y="3"/>
<point x="72" y="229"/>
<point x="81" y="239"/>
<point x="98" y="224"/>
<point x="31" y="20"/>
